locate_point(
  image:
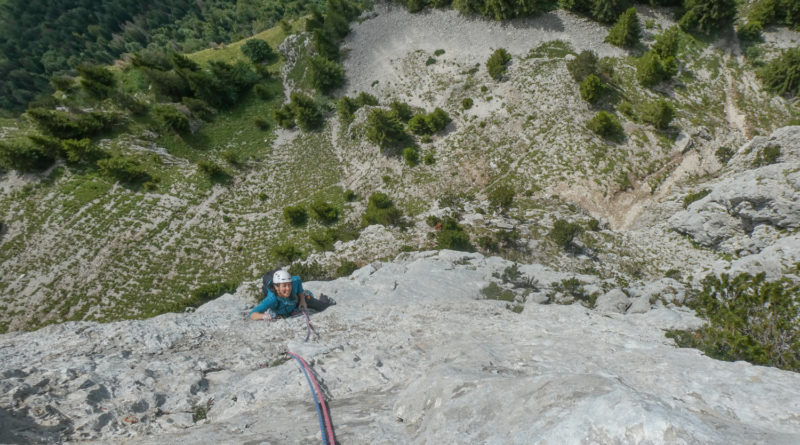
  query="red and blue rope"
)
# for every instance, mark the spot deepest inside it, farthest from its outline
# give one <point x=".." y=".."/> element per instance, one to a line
<point x="325" y="423"/>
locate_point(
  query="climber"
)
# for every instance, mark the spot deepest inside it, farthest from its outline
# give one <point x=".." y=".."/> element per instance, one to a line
<point x="285" y="296"/>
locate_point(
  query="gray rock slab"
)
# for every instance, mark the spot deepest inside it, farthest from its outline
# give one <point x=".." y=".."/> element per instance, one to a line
<point x="614" y="300"/>
<point x="424" y="360"/>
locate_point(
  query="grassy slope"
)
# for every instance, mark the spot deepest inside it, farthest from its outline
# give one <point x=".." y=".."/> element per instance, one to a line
<point x="80" y="247"/>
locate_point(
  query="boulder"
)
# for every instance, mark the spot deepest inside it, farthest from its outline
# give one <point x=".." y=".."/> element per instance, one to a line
<point x="614" y="300"/>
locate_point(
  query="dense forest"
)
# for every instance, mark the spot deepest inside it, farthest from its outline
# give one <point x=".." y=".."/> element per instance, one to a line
<point x="40" y="39"/>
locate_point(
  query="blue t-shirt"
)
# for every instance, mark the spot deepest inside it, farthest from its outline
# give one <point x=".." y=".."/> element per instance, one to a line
<point x="281" y="306"/>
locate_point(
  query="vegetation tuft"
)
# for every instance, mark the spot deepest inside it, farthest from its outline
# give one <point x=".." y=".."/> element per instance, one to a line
<point x="497" y="63"/>
<point x="749" y="318"/>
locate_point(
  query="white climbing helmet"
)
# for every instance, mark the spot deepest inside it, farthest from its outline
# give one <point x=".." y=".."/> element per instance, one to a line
<point x="281" y="276"/>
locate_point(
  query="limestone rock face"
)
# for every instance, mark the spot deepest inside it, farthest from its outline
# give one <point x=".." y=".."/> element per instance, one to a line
<point x="744" y="210"/>
<point x="412" y="353"/>
<point x="614" y="300"/>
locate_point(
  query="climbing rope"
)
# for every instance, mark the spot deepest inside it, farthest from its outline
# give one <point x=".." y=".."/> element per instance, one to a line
<point x="308" y="325"/>
<point x="318" y="401"/>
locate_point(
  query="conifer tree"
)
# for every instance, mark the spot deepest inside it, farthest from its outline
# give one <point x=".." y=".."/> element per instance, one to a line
<point x="707" y="15"/>
<point x="627" y="31"/>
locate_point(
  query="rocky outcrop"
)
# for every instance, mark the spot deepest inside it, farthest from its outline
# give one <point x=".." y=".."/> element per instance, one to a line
<point x="744" y="211"/>
<point x="412" y="353"/>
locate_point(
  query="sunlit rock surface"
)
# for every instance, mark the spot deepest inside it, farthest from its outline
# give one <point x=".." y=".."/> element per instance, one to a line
<point x="412" y="353"/>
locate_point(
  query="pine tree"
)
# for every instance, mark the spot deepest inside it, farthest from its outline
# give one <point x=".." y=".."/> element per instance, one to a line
<point x="627" y="31"/>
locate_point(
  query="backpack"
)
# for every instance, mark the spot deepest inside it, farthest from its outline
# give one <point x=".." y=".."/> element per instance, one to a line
<point x="266" y="280"/>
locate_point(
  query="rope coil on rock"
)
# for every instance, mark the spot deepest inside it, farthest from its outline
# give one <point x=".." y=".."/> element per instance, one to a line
<point x="325" y="423"/>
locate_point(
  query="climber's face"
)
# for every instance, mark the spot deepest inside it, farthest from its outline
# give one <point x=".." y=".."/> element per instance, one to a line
<point x="282" y="290"/>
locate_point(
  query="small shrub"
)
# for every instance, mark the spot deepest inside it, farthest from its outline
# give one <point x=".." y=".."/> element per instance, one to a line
<point x="696" y="196"/>
<point x="497" y="63"/>
<point x="416" y="5"/>
<point x="502" y="197"/>
<point x="438" y="52"/>
<point x="262" y="124"/>
<point x="707" y="15"/>
<point x="433" y="220"/>
<point x="508" y="238"/>
<point x="287" y="253"/>
<point x="429" y="159"/>
<point x="624" y="180"/>
<point x="594" y="225"/>
<point x="324" y="239"/>
<point x="265" y="91"/>
<point x="170" y="118"/>
<point x="306" y="113"/>
<point x="211" y="291"/>
<point x="346" y="108"/>
<point x="346" y="232"/>
<point x="81" y="150"/>
<point x="626" y="108"/>
<point x="259" y="51"/>
<point x="124" y="169"/>
<point x="401" y="110"/>
<point x="62" y="83"/>
<point x="312" y="271"/>
<point x="564" y="232"/>
<point x="767" y="155"/>
<point x="295" y="215"/>
<point x="284" y="116"/>
<point x="579" y="6"/>
<point x="350" y="195"/>
<point x="782" y="75"/>
<point x="494" y="292"/>
<point x="627" y="31"/>
<point x="366" y="99"/>
<point x="658" y="113"/>
<point x="66" y="125"/>
<point x="749" y="318"/>
<point x="466" y="103"/>
<point x="453" y="237"/>
<point x="750" y="32"/>
<point x="325" y="212"/>
<point x="724" y="154"/>
<point x="572" y="287"/>
<point x="199" y="108"/>
<point x="437" y="120"/>
<point x="606" y="11"/>
<point x="430" y="61"/>
<point x="411" y="156"/>
<point x="213" y="171"/>
<point x="582" y="65"/>
<point x="652" y="69"/>
<point x="24" y="157"/>
<point x="606" y="125"/>
<point x="419" y="125"/>
<point x="346" y="268"/>
<point x="381" y="210"/>
<point x="667" y="44"/>
<point x="97" y="80"/>
<point x="488" y="244"/>
<point x="384" y="130"/>
<point x="231" y="157"/>
<point x="325" y="74"/>
<point x="591" y="89"/>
